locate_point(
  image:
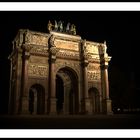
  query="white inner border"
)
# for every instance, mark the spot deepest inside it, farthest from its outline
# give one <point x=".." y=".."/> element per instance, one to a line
<point x="69" y="133"/>
<point x="69" y="6"/>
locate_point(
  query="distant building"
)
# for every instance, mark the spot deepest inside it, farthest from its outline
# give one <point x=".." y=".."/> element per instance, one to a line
<point x="58" y="73"/>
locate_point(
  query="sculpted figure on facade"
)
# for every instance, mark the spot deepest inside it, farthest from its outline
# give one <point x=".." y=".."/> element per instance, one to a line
<point x="51" y="41"/>
<point x="84" y="50"/>
<point x="68" y="28"/>
<point x="73" y="29"/>
<point x="60" y="26"/>
<point x="50" y="26"/>
<point x="84" y="46"/>
<point x="27" y="37"/>
<point x="56" y="26"/>
<point x="52" y="47"/>
<point x="105" y="47"/>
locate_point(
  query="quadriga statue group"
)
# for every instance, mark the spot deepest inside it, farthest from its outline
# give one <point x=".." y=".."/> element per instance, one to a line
<point x="59" y="26"/>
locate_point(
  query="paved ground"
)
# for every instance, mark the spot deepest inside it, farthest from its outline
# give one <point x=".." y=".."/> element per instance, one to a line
<point x="118" y="121"/>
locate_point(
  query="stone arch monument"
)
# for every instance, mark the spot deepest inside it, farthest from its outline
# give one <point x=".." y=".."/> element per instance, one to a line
<point x="58" y="73"/>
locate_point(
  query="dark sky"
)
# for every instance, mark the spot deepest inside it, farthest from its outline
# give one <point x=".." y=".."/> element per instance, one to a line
<point x="119" y="29"/>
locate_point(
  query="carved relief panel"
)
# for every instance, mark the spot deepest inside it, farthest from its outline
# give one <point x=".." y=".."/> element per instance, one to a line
<point x="67" y="45"/>
<point x="92" y="48"/>
<point x="93" y="67"/>
<point x="37" y="70"/>
<point x="94" y="75"/>
<point x="68" y="54"/>
<point x="94" y="72"/>
<point x="38" y="40"/>
<point x="38" y="59"/>
<point x="39" y="50"/>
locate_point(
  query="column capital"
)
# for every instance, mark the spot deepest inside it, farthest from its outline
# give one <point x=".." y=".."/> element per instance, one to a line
<point x="26" y="55"/>
<point x="53" y="50"/>
<point x="85" y="63"/>
<point x="52" y="59"/>
<point x="26" y="47"/>
<point x="85" y="56"/>
<point x="104" y="58"/>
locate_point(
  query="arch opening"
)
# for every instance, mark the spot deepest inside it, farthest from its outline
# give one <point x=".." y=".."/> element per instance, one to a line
<point x="37" y="99"/>
<point x="94" y="100"/>
<point x="67" y="91"/>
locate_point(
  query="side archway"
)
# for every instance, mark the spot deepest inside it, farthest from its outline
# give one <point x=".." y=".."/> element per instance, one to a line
<point x="94" y="98"/>
<point x="37" y="99"/>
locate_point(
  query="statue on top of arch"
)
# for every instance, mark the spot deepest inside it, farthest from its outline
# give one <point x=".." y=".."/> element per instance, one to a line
<point x="60" y="27"/>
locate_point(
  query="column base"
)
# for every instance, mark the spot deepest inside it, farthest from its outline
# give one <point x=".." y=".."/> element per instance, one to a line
<point x="24" y="112"/>
<point x="53" y="110"/>
<point x="107" y="107"/>
<point x="46" y="106"/>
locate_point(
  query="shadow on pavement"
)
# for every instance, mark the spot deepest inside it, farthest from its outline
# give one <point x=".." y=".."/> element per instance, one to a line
<point x="117" y="121"/>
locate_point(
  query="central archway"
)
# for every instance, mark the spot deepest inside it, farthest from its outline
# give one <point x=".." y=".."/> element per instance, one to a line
<point x="67" y="91"/>
<point x="59" y="94"/>
<point x="37" y="99"/>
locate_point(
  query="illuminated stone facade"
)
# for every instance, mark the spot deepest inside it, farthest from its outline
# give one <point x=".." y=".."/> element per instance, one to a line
<point x="58" y="73"/>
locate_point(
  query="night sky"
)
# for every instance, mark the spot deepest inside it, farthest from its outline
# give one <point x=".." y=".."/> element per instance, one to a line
<point x="119" y="29"/>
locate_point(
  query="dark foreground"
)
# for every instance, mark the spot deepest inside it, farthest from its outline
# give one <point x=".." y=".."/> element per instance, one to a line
<point x="118" y="121"/>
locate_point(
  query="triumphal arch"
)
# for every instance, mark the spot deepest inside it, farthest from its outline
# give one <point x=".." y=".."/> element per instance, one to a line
<point x="58" y="73"/>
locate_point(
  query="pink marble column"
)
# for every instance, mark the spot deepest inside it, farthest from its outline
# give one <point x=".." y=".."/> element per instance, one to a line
<point x="106" y="82"/>
<point x="85" y="82"/>
<point x="86" y="102"/>
<point x="52" y="58"/>
<point x="52" y="87"/>
<point x="107" y="102"/>
<point x="24" y="89"/>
